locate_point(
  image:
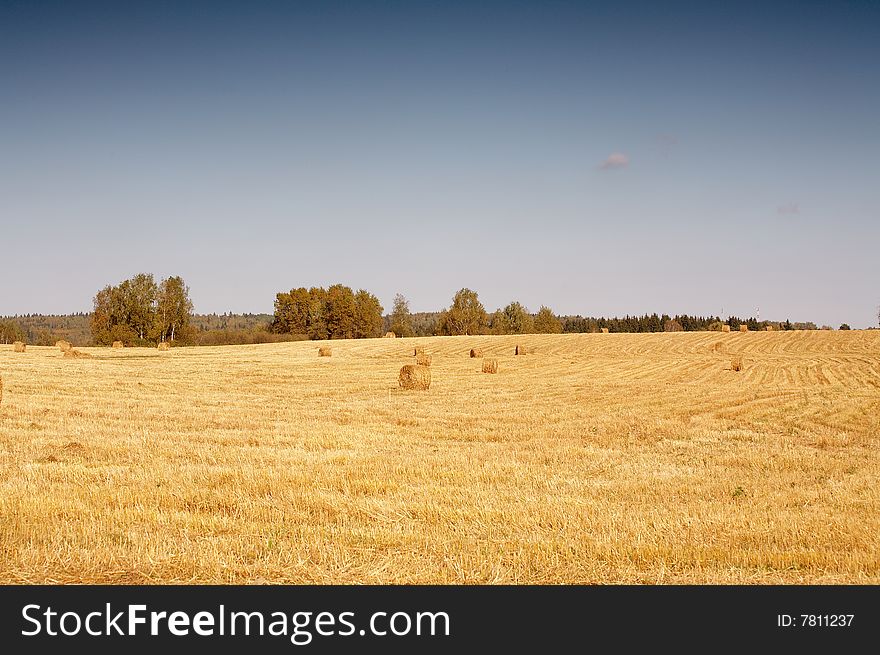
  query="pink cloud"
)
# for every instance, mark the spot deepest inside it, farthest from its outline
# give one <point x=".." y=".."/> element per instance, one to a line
<point x="615" y="160"/>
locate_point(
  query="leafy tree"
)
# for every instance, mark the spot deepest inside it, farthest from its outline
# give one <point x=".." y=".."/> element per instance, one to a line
<point x="368" y="315"/>
<point x="401" y="319"/>
<point x="292" y="312"/>
<point x="173" y="309"/>
<point x="10" y="332"/>
<point x="517" y="319"/>
<point x="546" y="322"/>
<point x="844" y="326"/>
<point x="466" y="315"/>
<point x="340" y="312"/>
<point x="671" y="325"/>
<point x="317" y="325"/>
<point x="137" y="310"/>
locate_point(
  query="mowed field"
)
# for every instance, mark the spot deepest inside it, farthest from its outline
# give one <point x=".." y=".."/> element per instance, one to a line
<point x="600" y="458"/>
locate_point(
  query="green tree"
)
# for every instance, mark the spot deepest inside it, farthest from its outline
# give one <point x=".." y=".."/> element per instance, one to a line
<point x="340" y="312"/>
<point x="173" y="309"/>
<point x="317" y="325"/>
<point x="466" y="315"/>
<point x="546" y="322"/>
<point x="139" y="295"/>
<point x="292" y="312"/>
<point x="844" y="326"/>
<point x="517" y="319"/>
<point x="368" y="315"/>
<point x="10" y="332"/>
<point x="401" y="318"/>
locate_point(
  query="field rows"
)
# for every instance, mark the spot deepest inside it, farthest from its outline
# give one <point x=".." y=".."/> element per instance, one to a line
<point x="599" y="458"/>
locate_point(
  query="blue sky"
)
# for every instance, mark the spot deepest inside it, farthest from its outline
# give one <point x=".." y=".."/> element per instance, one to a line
<point x="600" y="158"/>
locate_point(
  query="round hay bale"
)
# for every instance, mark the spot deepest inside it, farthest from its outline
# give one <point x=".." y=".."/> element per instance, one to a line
<point x="743" y="327"/>
<point x="19" y="347"/>
<point x="390" y="335"/>
<point x="418" y="350"/>
<point x="717" y="347"/>
<point x="325" y="351"/>
<point x="476" y="352"/>
<point x="604" y="330"/>
<point x="76" y="354"/>
<point x="490" y="366"/>
<point x="522" y="350"/>
<point x="423" y="359"/>
<point x="736" y="364"/>
<point x="118" y="344"/>
<point x="725" y="328"/>
<point x="164" y="345"/>
<point x="415" y="377"/>
<point x="769" y="328"/>
<point x="63" y="345"/>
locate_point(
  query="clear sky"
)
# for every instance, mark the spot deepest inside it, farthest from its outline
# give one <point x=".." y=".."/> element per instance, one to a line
<point x="600" y="158"/>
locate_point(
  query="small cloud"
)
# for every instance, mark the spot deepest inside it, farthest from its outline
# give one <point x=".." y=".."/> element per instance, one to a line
<point x="789" y="209"/>
<point x="615" y="160"/>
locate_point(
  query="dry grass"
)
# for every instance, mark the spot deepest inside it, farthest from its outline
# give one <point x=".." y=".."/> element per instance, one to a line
<point x="615" y="458"/>
<point x="490" y="366"/>
<point x="73" y="353"/>
<point x="423" y="359"/>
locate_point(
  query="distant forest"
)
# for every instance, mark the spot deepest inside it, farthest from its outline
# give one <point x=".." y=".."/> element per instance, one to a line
<point x="230" y="329"/>
<point x="142" y="311"/>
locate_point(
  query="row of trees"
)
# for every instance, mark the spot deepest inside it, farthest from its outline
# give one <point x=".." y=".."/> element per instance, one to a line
<point x="333" y="313"/>
<point x="138" y="311"/>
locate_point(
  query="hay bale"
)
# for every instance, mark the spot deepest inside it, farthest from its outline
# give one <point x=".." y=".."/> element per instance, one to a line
<point x="1" y="389"/>
<point x="725" y="328"/>
<point x="769" y="328"/>
<point x="118" y="344"/>
<point x="476" y="352"/>
<point x="490" y="366"/>
<point x="414" y="377"/>
<point x="743" y="327"/>
<point x="325" y="351"/>
<point x="717" y="347"/>
<point x="418" y="350"/>
<point x="390" y="335"/>
<point x="522" y="350"/>
<point x="423" y="359"/>
<point x="604" y="330"/>
<point x="19" y="347"/>
<point x="736" y="364"/>
<point x="76" y="354"/>
<point x="63" y="345"/>
<point x="164" y="345"/>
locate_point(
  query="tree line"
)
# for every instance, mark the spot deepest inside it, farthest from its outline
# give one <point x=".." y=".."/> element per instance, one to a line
<point x="139" y="311"/>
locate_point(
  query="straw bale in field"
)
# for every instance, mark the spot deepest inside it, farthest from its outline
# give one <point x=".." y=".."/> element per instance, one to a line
<point x="415" y="377"/>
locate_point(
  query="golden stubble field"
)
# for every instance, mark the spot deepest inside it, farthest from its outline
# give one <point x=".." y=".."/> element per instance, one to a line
<point x="614" y="458"/>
